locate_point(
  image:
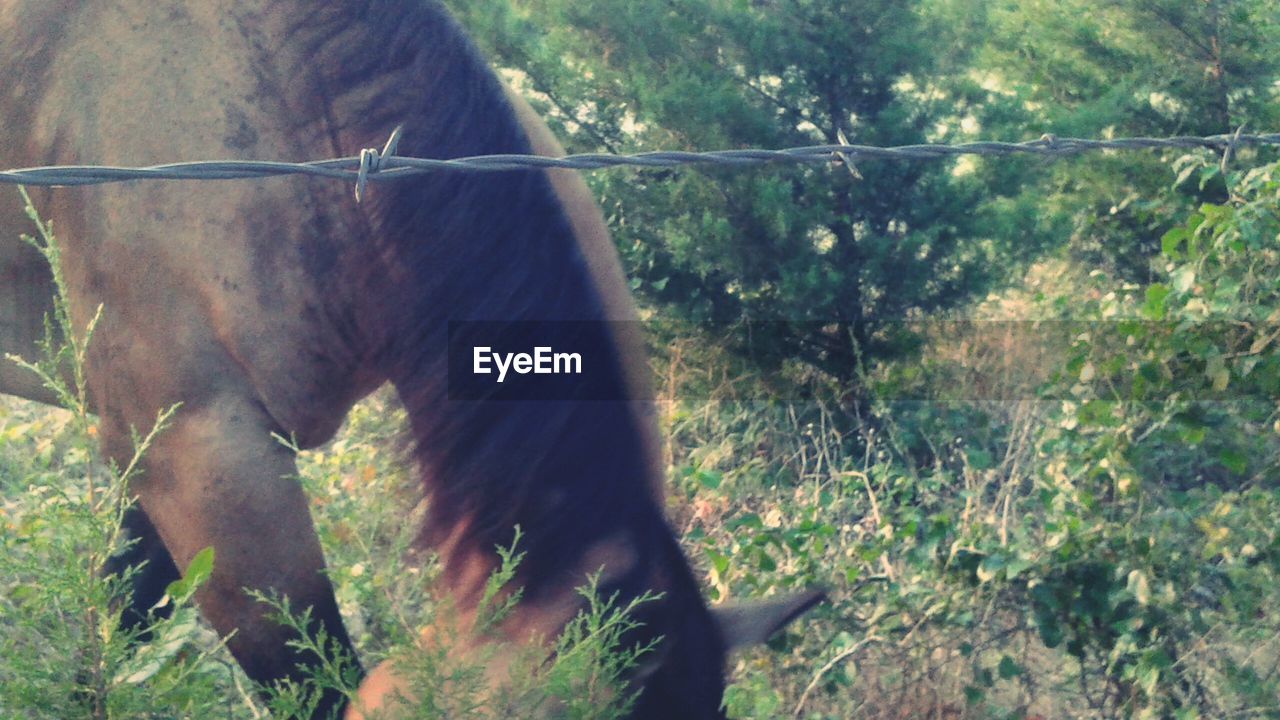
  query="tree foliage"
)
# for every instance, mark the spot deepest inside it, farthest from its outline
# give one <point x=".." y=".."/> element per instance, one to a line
<point x="1124" y="68"/>
<point x="808" y="264"/>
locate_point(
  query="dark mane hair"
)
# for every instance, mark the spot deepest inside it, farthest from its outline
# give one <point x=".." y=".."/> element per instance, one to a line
<point x="484" y="247"/>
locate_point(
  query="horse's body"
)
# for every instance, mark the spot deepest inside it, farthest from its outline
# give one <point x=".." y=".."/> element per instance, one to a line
<point x="272" y="306"/>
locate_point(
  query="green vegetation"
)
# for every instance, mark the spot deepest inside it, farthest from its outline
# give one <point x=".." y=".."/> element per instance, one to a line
<point x="63" y="653"/>
<point x="1053" y="494"/>
<point x="1088" y="533"/>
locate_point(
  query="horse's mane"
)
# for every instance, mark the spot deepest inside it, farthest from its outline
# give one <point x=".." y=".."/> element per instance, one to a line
<point x="492" y="247"/>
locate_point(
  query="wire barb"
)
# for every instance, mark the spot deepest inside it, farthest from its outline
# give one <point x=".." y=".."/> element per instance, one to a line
<point x="371" y="160"/>
<point x="1230" y="150"/>
<point x="845" y="158"/>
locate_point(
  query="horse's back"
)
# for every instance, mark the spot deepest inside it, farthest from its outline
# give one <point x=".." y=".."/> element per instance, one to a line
<point x="207" y="288"/>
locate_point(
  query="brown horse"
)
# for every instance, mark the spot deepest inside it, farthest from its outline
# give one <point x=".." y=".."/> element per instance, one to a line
<point x="272" y="306"/>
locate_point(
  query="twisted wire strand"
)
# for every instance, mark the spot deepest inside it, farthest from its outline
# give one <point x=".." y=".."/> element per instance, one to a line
<point x="373" y="165"/>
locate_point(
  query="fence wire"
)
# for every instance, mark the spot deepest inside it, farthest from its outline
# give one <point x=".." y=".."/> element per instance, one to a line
<point x="373" y="164"/>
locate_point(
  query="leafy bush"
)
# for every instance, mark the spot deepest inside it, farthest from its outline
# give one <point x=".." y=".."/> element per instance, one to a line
<point x="1099" y="543"/>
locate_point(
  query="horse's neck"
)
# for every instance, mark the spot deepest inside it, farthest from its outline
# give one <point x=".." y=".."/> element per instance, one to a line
<point x="517" y="246"/>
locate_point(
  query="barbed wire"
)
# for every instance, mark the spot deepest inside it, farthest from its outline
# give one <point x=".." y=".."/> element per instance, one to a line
<point x="373" y="164"/>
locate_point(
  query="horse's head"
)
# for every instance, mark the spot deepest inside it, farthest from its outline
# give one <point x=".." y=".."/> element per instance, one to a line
<point x="681" y="677"/>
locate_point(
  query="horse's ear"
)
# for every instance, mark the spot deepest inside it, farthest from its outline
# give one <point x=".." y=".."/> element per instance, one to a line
<point x="745" y="624"/>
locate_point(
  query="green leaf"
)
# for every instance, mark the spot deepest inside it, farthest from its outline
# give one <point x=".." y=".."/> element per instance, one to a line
<point x="1015" y="567"/>
<point x="1171" y="240"/>
<point x="990" y="567"/>
<point x="1153" y="308"/>
<point x="718" y="561"/>
<point x="1050" y="632"/>
<point x="198" y="570"/>
<point x="709" y="479"/>
<point x="200" y="567"/>
<point x="764" y="562"/>
<point x="1008" y="668"/>
<point x="979" y="458"/>
<point x="1233" y="460"/>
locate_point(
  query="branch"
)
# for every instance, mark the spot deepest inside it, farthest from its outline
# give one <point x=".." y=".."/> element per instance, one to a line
<point x="839" y="658"/>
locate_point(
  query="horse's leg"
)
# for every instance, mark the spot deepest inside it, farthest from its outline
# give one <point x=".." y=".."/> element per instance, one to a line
<point x="26" y="300"/>
<point x="216" y="478"/>
<point x="155" y="570"/>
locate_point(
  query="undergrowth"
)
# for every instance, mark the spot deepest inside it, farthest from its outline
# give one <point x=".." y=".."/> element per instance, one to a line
<point x="1076" y="526"/>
